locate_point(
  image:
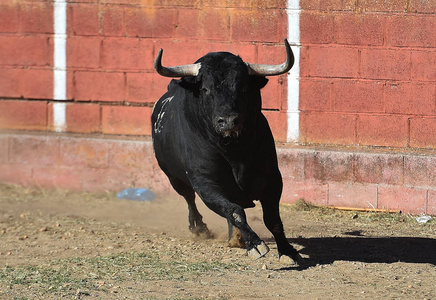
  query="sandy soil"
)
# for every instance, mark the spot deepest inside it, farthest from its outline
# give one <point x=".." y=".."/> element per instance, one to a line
<point x="348" y="254"/>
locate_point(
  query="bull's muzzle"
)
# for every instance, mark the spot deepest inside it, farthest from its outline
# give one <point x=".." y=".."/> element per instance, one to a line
<point x="229" y="126"/>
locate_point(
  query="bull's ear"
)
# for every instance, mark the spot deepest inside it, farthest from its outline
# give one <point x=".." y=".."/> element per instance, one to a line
<point x="258" y="81"/>
<point x="190" y="83"/>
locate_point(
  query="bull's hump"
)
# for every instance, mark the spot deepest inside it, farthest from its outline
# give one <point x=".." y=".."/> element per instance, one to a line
<point x="158" y="125"/>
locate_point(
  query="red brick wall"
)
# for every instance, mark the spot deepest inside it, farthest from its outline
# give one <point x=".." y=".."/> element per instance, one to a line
<point x="367" y="77"/>
<point x="367" y="67"/>
<point x="368" y="73"/>
<point x="111" y="45"/>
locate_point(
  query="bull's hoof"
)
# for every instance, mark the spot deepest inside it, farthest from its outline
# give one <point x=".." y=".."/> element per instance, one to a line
<point x="205" y="235"/>
<point x="258" y="251"/>
<point x="201" y="232"/>
<point x="295" y="261"/>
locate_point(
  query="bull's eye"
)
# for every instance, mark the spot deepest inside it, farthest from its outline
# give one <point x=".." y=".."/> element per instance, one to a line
<point x="205" y="90"/>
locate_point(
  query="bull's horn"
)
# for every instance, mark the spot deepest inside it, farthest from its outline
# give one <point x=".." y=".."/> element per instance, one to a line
<point x="271" y="70"/>
<point x="177" y="71"/>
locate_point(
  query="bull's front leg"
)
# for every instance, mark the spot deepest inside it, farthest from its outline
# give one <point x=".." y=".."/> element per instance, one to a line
<point x="214" y="199"/>
<point x="287" y="254"/>
<point x="256" y="248"/>
<point x="235" y="237"/>
<point x="271" y="216"/>
<point x="270" y="200"/>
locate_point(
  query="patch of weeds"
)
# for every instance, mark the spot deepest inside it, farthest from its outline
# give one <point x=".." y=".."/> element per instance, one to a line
<point x="65" y="277"/>
<point x="154" y="267"/>
<point x="387" y="217"/>
<point x="302" y="205"/>
<point x="176" y="298"/>
<point x="51" y="279"/>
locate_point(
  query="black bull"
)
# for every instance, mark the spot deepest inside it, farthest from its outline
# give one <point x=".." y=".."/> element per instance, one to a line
<point x="211" y="138"/>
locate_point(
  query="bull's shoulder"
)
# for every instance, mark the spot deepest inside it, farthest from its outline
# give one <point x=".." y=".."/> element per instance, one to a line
<point x="169" y="113"/>
<point x="175" y="90"/>
<point x="174" y="84"/>
<point x="172" y="92"/>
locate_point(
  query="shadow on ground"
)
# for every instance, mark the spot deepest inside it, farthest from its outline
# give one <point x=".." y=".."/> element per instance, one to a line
<point x="326" y="250"/>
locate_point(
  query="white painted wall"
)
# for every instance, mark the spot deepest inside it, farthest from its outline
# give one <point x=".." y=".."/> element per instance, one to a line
<point x="293" y="10"/>
<point x="60" y="64"/>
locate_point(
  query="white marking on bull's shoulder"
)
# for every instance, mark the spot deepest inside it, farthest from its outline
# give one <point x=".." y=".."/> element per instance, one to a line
<point x="158" y="124"/>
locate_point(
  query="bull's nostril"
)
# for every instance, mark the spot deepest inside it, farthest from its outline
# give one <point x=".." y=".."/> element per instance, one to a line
<point x="227" y="123"/>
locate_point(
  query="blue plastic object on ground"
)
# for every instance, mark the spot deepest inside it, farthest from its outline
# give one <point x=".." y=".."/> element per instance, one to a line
<point x="140" y="194"/>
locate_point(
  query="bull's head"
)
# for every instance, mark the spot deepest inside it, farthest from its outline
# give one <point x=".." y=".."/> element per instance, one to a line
<point x="226" y="86"/>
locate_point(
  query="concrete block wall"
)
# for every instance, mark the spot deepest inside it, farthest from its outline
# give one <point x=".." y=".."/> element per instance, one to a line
<point x="366" y="133"/>
<point x="79" y="163"/>
<point x="368" y="178"/>
<point x="347" y="177"/>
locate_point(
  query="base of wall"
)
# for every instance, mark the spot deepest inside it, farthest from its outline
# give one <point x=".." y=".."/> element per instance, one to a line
<point x="364" y="178"/>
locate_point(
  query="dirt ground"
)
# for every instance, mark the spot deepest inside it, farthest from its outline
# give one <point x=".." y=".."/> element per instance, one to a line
<point x="58" y="244"/>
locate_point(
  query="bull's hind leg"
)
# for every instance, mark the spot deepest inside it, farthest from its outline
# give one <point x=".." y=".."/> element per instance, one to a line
<point x="196" y="224"/>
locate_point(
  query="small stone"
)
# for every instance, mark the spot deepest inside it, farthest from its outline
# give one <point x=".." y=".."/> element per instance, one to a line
<point x="286" y="260"/>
